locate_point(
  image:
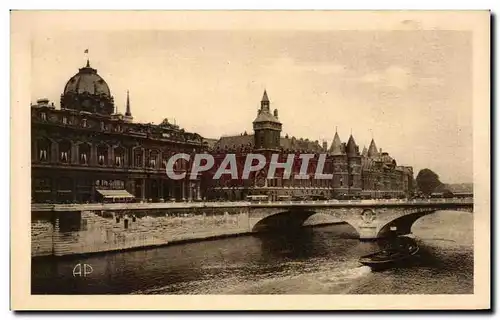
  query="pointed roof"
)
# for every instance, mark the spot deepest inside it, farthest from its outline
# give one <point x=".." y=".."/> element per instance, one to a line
<point x="264" y="97"/>
<point x="351" y="146"/>
<point x="372" y="150"/>
<point x="127" y="112"/>
<point x="365" y="151"/>
<point x="336" y="147"/>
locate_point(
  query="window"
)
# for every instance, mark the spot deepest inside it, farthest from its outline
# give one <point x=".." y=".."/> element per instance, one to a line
<point x="43" y="154"/>
<point x="103" y="126"/>
<point x="138" y="158"/>
<point x="43" y="116"/>
<point x="43" y="149"/>
<point x="64" y="156"/>
<point x="119" y="156"/>
<point x="102" y="155"/>
<point x="84" y="150"/>
<point x="84" y="123"/>
<point x="65" y="120"/>
<point x="65" y="151"/>
<point x="153" y="159"/>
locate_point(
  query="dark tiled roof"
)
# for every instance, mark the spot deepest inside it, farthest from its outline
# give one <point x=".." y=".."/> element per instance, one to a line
<point x="265" y="116"/>
<point x="264" y="97"/>
<point x="300" y="144"/>
<point x="210" y="142"/>
<point x="286" y="143"/>
<point x="372" y="150"/>
<point x="234" y="141"/>
<point x="351" y="146"/>
<point x="336" y="147"/>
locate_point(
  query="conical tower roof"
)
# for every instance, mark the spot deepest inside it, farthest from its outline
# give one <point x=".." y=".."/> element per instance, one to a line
<point x="365" y="151"/>
<point x="351" y="146"/>
<point x="336" y="147"/>
<point x="372" y="150"/>
<point x="264" y="97"/>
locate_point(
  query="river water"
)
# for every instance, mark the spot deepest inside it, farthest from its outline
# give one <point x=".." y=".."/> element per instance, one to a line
<point x="317" y="260"/>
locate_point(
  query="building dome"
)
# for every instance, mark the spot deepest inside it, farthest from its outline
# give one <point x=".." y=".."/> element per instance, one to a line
<point x="87" y="91"/>
<point x="87" y="81"/>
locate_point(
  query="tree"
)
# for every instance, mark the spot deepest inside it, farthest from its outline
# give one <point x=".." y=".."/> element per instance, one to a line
<point x="427" y="181"/>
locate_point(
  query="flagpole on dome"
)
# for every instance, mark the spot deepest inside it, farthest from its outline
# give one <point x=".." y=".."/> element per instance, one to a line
<point x="86" y="52"/>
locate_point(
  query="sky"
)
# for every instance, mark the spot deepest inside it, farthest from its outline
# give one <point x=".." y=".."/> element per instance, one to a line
<point x="410" y="90"/>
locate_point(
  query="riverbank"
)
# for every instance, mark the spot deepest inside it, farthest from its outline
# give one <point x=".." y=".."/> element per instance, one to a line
<point x="90" y="233"/>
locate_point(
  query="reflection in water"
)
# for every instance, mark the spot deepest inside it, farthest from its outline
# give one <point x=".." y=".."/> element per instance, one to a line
<point x="318" y="260"/>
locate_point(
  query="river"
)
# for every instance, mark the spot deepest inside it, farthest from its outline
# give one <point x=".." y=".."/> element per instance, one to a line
<point x="317" y="260"/>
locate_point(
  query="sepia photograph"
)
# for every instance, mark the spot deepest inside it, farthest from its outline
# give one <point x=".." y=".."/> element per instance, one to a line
<point x="252" y="158"/>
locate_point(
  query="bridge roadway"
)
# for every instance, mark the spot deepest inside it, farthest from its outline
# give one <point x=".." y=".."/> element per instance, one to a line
<point x="371" y="219"/>
<point x="384" y="203"/>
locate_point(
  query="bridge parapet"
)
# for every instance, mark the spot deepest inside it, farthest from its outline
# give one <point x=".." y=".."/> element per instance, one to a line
<point x="243" y="204"/>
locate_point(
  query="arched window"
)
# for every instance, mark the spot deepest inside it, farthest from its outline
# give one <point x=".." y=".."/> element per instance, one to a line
<point x="153" y="158"/>
<point x="43" y="150"/>
<point x="65" y="151"/>
<point x="84" y="153"/>
<point x="138" y="153"/>
<point x="119" y="156"/>
<point x="102" y="155"/>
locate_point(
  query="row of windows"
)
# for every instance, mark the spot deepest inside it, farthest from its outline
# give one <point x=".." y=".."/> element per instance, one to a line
<point x="84" y="123"/>
<point x="120" y="157"/>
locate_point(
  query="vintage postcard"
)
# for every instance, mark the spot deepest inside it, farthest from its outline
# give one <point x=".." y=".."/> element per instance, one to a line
<point x="250" y="160"/>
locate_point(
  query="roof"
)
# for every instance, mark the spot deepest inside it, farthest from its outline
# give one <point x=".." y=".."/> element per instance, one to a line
<point x="265" y="116"/>
<point x="300" y="144"/>
<point x="234" y="141"/>
<point x="87" y="81"/>
<point x="210" y="142"/>
<point x="351" y="146"/>
<point x="372" y="150"/>
<point x="365" y="151"/>
<point x="336" y="147"/>
<point x="264" y="97"/>
<point x="285" y="143"/>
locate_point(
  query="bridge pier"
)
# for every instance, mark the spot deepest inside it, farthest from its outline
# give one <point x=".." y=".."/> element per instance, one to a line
<point x="367" y="233"/>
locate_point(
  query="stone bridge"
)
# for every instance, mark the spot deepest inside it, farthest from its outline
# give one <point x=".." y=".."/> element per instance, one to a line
<point x="372" y="219"/>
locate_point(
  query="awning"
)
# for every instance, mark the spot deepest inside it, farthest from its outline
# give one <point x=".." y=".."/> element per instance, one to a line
<point x="115" y="193"/>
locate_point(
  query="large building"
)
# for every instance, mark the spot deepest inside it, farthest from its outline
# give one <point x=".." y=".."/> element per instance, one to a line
<point x="86" y="151"/>
<point x="369" y="174"/>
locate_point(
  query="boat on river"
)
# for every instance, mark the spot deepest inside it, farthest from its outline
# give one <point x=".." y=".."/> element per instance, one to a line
<point x="393" y="256"/>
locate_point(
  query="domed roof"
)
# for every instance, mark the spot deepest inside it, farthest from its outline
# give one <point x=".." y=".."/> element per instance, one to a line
<point x="87" y="81"/>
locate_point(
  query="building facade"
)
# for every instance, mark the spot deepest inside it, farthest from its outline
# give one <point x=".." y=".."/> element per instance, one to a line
<point x="86" y="151"/>
<point x="370" y="174"/>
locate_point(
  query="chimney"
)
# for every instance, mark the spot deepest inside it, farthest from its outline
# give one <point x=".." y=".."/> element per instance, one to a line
<point x="325" y="146"/>
<point x="276" y="113"/>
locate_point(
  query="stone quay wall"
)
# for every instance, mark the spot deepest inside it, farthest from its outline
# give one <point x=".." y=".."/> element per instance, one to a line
<point x="68" y="233"/>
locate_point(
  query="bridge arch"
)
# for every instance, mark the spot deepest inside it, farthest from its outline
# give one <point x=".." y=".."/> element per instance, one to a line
<point x="402" y="225"/>
<point x="283" y="220"/>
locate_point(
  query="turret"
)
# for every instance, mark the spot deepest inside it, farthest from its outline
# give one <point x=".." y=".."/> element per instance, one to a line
<point x="372" y="150"/>
<point x="267" y="127"/>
